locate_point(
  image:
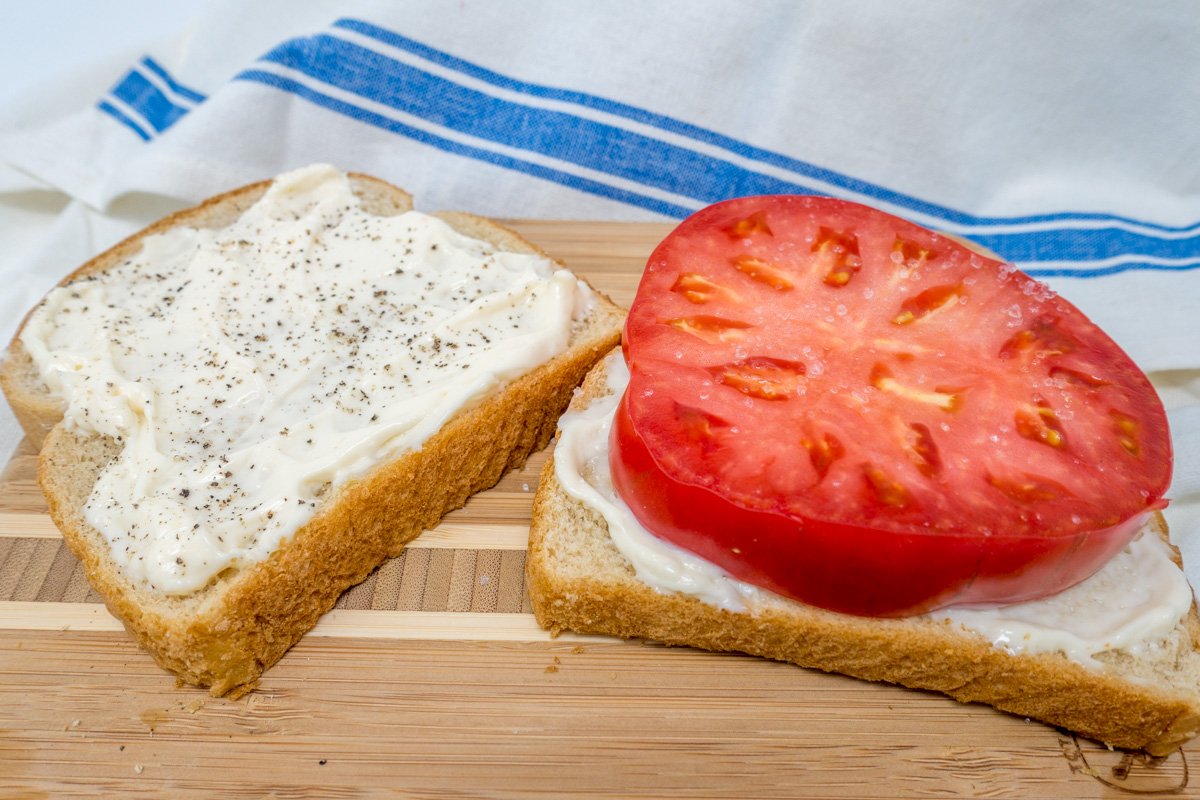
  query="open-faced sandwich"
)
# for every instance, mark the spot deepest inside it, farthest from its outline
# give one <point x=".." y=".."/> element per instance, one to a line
<point x="248" y="406"/>
<point x="838" y="439"/>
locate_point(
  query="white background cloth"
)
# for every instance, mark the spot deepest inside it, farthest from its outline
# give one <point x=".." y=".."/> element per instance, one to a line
<point x="1063" y="136"/>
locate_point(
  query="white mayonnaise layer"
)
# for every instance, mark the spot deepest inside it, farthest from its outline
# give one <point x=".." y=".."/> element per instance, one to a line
<point x="581" y="466"/>
<point x="247" y="370"/>
<point x="1136" y="599"/>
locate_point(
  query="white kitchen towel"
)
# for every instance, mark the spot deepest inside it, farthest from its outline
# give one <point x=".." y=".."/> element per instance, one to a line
<point x="1063" y="137"/>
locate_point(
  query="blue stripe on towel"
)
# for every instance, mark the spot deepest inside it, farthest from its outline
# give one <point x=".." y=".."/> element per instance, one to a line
<point x="499" y="126"/>
<point x="1085" y="245"/>
<point x="587" y="143"/>
<point x="119" y="116"/>
<point x="1112" y="269"/>
<point x="155" y="111"/>
<point x="176" y="87"/>
<point x="735" y="146"/>
<point x="148" y="100"/>
<point x="537" y="170"/>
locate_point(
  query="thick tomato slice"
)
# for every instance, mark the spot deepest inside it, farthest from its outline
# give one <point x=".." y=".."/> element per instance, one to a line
<point x="850" y="410"/>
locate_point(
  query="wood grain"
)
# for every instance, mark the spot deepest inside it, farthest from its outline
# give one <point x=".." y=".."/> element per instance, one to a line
<point x="431" y="679"/>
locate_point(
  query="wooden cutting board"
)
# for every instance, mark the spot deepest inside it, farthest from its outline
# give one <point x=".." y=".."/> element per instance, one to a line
<point x="432" y="679"/>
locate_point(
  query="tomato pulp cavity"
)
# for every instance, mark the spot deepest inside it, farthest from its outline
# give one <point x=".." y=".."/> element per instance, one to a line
<point x="847" y="409"/>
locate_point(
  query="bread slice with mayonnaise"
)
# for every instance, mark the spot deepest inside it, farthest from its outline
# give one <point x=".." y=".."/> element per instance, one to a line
<point x="221" y="630"/>
<point x="1143" y="692"/>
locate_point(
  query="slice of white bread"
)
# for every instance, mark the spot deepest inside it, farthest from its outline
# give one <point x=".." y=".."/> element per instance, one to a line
<point x="578" y="580"/>
<point x="225" y="635"/>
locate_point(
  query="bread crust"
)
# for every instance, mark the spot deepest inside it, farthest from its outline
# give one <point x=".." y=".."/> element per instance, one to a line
<point x="225" y="635"/>
<point x="579" y="581"/>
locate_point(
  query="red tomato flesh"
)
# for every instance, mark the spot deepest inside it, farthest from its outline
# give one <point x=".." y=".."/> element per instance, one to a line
<point x="847" y="409"/>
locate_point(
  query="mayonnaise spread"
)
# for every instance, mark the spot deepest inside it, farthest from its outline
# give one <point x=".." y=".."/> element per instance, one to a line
<point x="250" y="370"/>
<point x="1135" y="600"/>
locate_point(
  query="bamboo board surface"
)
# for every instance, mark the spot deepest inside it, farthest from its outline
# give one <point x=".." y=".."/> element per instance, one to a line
<point x="431" y="679"/>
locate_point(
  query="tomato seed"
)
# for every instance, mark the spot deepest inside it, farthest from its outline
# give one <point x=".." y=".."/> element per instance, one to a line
<point x="911" y="254"/>
<point x="945" y="398"/>
<point x="748" y="226"/>
<point x="1078" y="378"/>
<point x="763" y="272"/>
<point x="762" y="377"/>
<point x="1041" y="340"/>
<point x="697" y="423"/>
<point x="887" y="490"/>
<point x="698" y="289"/>
<point x="837" y="254"/>
<point x="923" y="450"/>
<point x="1040" y="424"/>
<point x="927" y="302"/>
<point x="1030" y="489"/>
<point x="823" y="452"/>
<point x="1127" y="432"/>
<point x="711" y="329"/>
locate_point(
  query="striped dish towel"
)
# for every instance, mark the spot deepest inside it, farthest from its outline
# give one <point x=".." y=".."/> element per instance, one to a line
<point x="1061" y="137"/>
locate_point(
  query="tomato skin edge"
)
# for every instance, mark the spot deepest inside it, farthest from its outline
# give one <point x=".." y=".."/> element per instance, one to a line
<point x="884" y="573"/>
